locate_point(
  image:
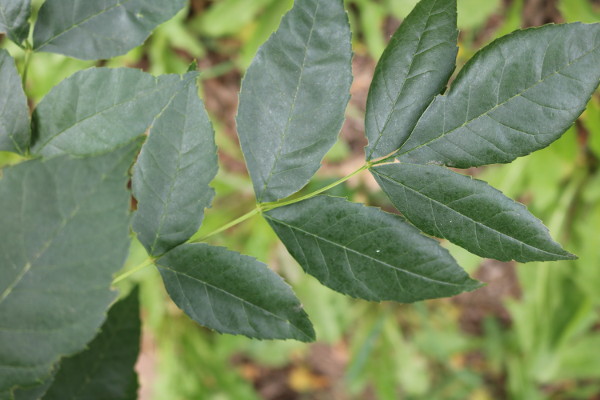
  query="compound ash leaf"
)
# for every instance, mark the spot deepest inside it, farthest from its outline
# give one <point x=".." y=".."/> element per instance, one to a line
<point x="15" y="125"/>
<point x="414" y="68"/>
<point x="65" y="232"/>
<point x="104" y="370"/>
<point x="515" y="96"/>
<point x="294" y="96"/>
<point x="367" y="253"/>
<point x="233" y="293"/>
<point x="467" y="212"/>
<point x="92" y="30"/>
<point x="172" y="174"/>
<point x="13" y="19"/>
<point x="99" y="109"/>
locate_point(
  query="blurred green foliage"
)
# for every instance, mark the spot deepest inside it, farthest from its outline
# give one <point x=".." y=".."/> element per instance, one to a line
<point x="548" y="349"/>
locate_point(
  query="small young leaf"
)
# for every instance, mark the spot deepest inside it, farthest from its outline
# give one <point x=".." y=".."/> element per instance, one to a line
<point x="294" y="96"/>
<point x="467" y="212"/>
<point x="15" y="126"/>
<point x="517" y="95"/>
<point x="99" y="109"/>
<point x="65" y="231"/>
<point x="92" y="30"/>
<point x="413" y="69"/>
<point x="13" y="19"/>
<point x="171" y="176"/>
<point x="104" y="370"/>
<point x="233" y="293"/>
<point x="367" y="253"/>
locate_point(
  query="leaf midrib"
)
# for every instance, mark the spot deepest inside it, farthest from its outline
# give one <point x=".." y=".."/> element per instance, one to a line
<point x="510" y="238"/>
<point x="414" y="274"/>
<point x="165" y="209"/>
<point x="445" y="98"/>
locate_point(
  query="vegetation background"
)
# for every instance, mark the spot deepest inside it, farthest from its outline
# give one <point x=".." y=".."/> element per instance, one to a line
<point x="532" y="333"/>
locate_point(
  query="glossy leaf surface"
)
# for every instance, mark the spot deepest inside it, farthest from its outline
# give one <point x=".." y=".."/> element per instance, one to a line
<point x="365" y="252"/>
<point x="13" y="19"/>
<point x="92" y="30"/>
<point x="515" y="96"/>
<point x="100" y="109"/>
<point x="415" y="67"/>
<point x="104" y="370"/>
<point x="171" y="176"/>
<point x="65" y="230"/>
<point x="467" y="212"/>
<point x="294" y="96"/>
<point x="15" y="126"/>
<point x="233" y="293"/>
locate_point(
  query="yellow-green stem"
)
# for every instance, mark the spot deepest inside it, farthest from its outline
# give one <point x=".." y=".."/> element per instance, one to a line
<point x="258" y="210"/>
<point x="28" y="53"/>
<point x="231" y="224"/>
<point x="148" y="261"/>
<point x="284" y="202"/>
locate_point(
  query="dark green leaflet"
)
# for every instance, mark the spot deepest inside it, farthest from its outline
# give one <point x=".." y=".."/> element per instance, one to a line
<point x="365" y="252"/>
<point x="104" y="370"/>
<point x="515" y="96"/>
<point x="171" y="176"/>
<point x="13" y="19"/>
<point x="294" y="96"/>
<point x="467" y="212"/>
<point x="15" y="125"/>
<point x="413" y="69"/>
<point x="233" y="293"/>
